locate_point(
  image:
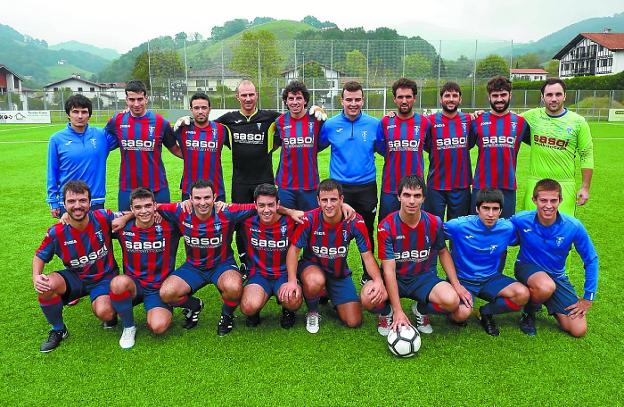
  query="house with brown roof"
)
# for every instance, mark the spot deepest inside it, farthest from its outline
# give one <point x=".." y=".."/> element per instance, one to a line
<point x="592" y="54"/>
<point x="528" y="74"/>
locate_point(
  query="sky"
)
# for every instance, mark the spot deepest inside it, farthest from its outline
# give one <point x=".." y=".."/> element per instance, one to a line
<point x="122" y="25"/>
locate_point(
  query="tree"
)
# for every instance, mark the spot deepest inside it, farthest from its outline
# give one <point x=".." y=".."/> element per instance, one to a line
<point x="461" y="68"/>
<point x="245" y="58"/>
<point x="417" y="66"/>
<point x="196" y="37"/>
<point x="530" y="60"/>
<point x="165" y="64"/>
<point x="355" y="63"/>
<point x="180" y="37"/>
<point x="314" y="70"/>
<point x="492" y="65"/>
<point x="229" y="28"/>
<point x="552" y="67"/>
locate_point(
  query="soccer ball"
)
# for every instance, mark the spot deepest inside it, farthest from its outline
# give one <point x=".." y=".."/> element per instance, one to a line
<point x="405" y="342"/>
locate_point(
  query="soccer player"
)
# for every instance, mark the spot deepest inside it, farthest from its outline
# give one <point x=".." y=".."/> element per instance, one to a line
<point x="403" y="137"/>
<point x="141" y="134"/>
<point x="478" y="241"/>
<point x="450" y="170"/>
<point x="149" y="252"/>
<point x="297" y="175"/>
<point x="325" y="236"/>
<point x="557" y="137"/>
<point x="209" y="257"/>
<point x="354" y="138"/>
<point x="267" y="236"/>
<point x="201" y="142"/>
<point x="79" y="151"/>
<point x="83" y="244"/>
<point x="546" y="238"/>
<point x="409" y="241"/>
<point x="498" y="136"/>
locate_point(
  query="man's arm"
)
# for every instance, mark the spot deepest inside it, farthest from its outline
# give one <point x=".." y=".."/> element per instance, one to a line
<point x="449" y="268"/>
<point x="40" y="281"/>
<point x="399" y="318"/>
<point x="296" y="215"/>
<point x="170" y="141"/>
<point x="289" y="289"/>
<point x="53" y="180"/>
<point x="376" y="288"/>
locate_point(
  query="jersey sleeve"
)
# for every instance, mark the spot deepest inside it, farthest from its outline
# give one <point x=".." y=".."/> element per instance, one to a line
<point x="170" y="211"/>
<point x="384" y="243"/>
<point x="228" y="136"/>
<point x="48" y="247"/>
<point x="239" y="212"/>
<point x="169" y="139"/>
<point x="302" y="234"/>
<point x="358" y="229"/>
<point x="324" y="137"/>
<point x="587" y="251"/>
<point x="53" y="175"/>
<point x="380" y="144"/>
<point x="274" y="141"/>
<point x="450" y="228"/>
<point x="585" y="146"/>
<point x="526" y="132"/>
<point x="438" y="243"/>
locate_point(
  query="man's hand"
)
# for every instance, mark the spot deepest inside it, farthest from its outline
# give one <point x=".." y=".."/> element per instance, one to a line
<point x="376" y="291"/>
<point x="399" y="319"/>
<point x="182" y="121"/>
<point x="298" y="216"/>
<point x="579" y="309"/>
<point x="219" y="206"/>
<point x="55" y="212"/>
<point x="64" y="219"/>
<point x="318" y="112"/>
<point x="582" y="196"/>
<point x="348" y="212"/>
<point x="288" y="291"/>
<point x="41" y="283"/>
<point x="187" y="206"/>
<point x="464" y="295"/>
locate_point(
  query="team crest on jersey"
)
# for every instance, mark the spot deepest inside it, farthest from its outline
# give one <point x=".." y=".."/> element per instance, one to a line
<point x="344" y="235"/>
<point x="214" y="134"/>
<point x="416" y="128"/>
<point x="259" y="125"/>
<point x="559" y="240"/>
<point x="99" y="235"/>
<point x="217" y="227"/>
<point x="150" y="131"/>
<point x="283" y="229"/>
<point x="159" y="229"/>
<point x="93" y="143"/>
<point x="493" y="248"/>
<point x="464" y="127"/>
<point x="569" y="130"/>
<point x="311" y="127"/>
<point x="364" y="134"/>
<point x="513" y="126"/>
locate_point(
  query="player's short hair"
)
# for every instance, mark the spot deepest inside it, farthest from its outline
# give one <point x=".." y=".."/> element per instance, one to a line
<point x="412" y="182"/>
<point x="136" y="86"/>
<point x="294" y="87"/>
<point x="498" y="83"/>
<point x="265" y="190"/>
<point x="202" y="183"/>
<point x="77" y="187"/>
<point x="553" y="81"/>
<point x="141" y="193"/>
<point x="245" y="81"/>
<point x="547" y="184"/>
<point x="492" y="195"/>
<point x="450" y="86"/>
<point x="199" y="95"/>
<point x="329" y="184"/>
<point x="404" y="83"/>
<point x="352" y="86"/>
<point x="80" y="101"/>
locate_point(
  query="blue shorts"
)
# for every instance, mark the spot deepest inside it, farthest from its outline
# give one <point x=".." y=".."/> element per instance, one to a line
<point x="455" y="203"/>
<point x="509" y="204"/>
<point x="270" y="286"/>
<point x="296" y="199"/>
<point x="564" y="295"/>
<point x="197" y="278"/>
<point x="418" y="287"/>
<point x="388" y="203"/>
<point x="220" y="197"/>
<point x="150" y="297"/>
<point x="123" y="198"/>
<point x="77" y="288"/>
<point x="488" y="289"/>
<point x="339" y="290"/>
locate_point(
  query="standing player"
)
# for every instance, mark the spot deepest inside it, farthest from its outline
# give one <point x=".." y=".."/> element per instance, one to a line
<point x="478" y="243"/>
<point x="84" y="246"/>
<point x="325" y="235"/>
<point x="297" y="175"/>
<point x="78" y="152"/>
<point x="546" y="238"/>
<point x="201" y="142"/>
<point x="149" y="252"/>
<point x="498" y="136"/>
<point x="557" y="137"/>
<point x="403" y="140"/>
<point x="450" y="170"/>
<point x="141" y="135"/>
<point x="409" y="241"/>
<point x="267" y="236"/>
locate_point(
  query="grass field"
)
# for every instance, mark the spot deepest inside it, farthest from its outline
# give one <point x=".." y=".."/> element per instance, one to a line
<point x="271" y="366"/>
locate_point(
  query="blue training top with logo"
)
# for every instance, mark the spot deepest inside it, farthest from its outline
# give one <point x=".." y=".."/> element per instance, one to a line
<point x="477" y="249"/>
<point x="549" y="246"/>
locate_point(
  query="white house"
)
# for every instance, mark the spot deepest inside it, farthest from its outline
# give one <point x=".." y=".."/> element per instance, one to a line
<point x="332" y="76"/>
<point x="11" y="85"/>
<point x="592" y="54"/>
<point x="528" y="74"/>
<point x="108" y="93"/>
<point x="208" y="80"/>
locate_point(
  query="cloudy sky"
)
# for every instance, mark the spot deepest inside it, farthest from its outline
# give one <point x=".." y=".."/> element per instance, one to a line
<point x="122" y="25"/>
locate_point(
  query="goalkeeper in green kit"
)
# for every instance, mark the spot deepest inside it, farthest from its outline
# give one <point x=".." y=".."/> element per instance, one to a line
<point x="557" y="137"/>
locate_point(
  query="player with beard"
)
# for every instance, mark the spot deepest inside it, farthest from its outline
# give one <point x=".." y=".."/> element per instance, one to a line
<point x="498" y="133"/>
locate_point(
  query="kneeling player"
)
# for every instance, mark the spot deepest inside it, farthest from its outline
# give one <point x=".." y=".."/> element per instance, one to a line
<point x="326" y="235"/>
<point x="149" y="252"/>
<point x="478" y="242"/>
<point x="409" y="241"/>
<point x="546" y="238"/>
<point x="266" y="236"/>
<point x="84" y="246"/>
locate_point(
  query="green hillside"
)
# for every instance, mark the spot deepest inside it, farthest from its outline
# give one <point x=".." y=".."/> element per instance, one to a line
<point x="66" y="70"/>
<point x="106" y="53"/>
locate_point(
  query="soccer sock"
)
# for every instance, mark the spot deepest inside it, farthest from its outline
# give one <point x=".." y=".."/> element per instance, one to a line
<point x="53" y="310"/>
<point x="430" y="308"/>
<point x="531" y="307"/>
<point x="188" y="301"/>
<point x="122" y="303"/>
<point x="499" y="306"/>
<point x="383" y="309"/>
<point x="228" y="307"/>
<point x="313" y="304"/>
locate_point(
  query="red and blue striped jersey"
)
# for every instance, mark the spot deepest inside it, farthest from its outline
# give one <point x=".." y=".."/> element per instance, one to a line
<point x="201" y="151"/>
<point x="328" y="245"/>
<point x="267" y="245"/>
<point x="149" y="254"/>
<point x="140" y="143"/>
<point x="88" y="252"/>
<point x="208" y="243"/>
<point x="414" y="250"/>
<point x="403" y="149"/>
<point x="298" y="168"/>
<point x="448" y="147"/>
<point x="498" y="139"/>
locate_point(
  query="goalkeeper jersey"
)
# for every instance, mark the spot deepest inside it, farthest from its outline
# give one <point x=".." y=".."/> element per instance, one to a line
<point x="555" y="142"/>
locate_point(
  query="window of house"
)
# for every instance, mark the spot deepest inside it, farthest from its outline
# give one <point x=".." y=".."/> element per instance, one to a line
<point x="79" y="89"/>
